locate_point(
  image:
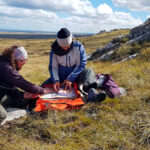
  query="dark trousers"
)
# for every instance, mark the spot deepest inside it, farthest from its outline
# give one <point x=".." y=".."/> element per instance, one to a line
<point x="13" y="101"/>
<point x="8" y="101"/>
<point x="86" y="78"/>
<point x="12" y="97"/>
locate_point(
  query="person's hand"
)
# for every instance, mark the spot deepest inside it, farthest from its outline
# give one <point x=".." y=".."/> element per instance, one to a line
<point x="68" y="85"/>
<point x="28" y="95"/>
<point x="47" y="90"/>
<point x="56" y="86"/>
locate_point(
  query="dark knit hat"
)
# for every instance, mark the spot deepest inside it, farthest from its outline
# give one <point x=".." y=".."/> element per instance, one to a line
<point x="64" y="37"/>
<point x="63" y="33"/>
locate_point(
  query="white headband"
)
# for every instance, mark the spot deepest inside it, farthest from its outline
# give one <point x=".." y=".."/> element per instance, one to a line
<point x="20" y="53"/>
<point x="64" y="42"/>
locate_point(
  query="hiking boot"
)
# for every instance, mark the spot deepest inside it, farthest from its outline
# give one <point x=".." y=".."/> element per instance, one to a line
<point x="3" y="113"/>
<point x="94" y="96"/>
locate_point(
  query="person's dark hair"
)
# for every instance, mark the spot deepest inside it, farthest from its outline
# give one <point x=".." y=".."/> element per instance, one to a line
<point x="8" y="55"/>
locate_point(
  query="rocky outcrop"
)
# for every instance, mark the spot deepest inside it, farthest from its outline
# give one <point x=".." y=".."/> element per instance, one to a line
<point x="105" y="52"/>
<point x="101" y="32"/>
<point x="138" y="34"/>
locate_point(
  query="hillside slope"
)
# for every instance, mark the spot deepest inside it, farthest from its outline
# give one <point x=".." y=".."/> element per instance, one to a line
<point x="120" y="123"/>
<point x="124" y="47"/>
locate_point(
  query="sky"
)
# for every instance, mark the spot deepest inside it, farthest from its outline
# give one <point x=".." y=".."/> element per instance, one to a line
<point x="81" y="16"/>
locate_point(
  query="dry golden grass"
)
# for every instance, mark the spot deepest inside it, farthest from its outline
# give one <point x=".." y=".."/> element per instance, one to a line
<point x="115" y="124"/>
<point x="91" y="43"/>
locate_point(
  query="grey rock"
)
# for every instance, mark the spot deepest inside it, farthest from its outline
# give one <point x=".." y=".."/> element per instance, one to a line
<point x="117" y="39"/>
<point x="138" y="34"/>
<point x="128" y="58"/>
<point x="100" y="51"/>
<point x="103" y="31"/>
<point x="123" y="91"/>
<point x="106" y="56"/>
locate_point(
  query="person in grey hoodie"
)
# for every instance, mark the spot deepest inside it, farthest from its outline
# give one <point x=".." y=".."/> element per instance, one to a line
<point x="11" y="61"/>
<point x="67" y="65"/>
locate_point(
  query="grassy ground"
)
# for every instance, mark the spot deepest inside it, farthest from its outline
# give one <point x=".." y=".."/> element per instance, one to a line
<point x="115" y="124"/>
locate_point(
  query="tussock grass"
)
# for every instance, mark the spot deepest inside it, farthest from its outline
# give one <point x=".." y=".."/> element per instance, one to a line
<point x="115" y="124"/>
<point x="125" y="51"/>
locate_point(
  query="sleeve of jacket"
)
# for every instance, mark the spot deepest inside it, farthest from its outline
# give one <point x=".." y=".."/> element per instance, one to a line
<point x="14" y="78"/>
<point x="81" y="64"/>
<point x="53" y="67"/>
